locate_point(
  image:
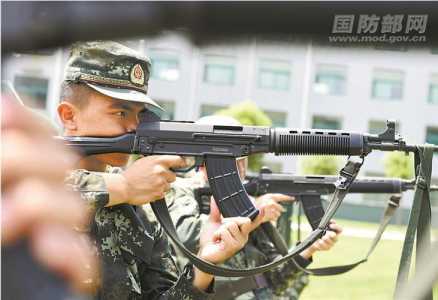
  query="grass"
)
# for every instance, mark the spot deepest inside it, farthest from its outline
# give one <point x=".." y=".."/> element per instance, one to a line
<point x="374" y="279"/>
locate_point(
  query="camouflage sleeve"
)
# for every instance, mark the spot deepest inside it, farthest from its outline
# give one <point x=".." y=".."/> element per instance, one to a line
<point x="185" y="213"/>
<point x="160" y="278"/>
<point x="91" y="187"/>
<point x="285" y="275"/>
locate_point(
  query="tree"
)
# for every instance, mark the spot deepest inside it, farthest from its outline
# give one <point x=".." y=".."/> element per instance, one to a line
<point x="319" y="165"/>
<point x="398" y="164"/>
<point x="249" y="114"/>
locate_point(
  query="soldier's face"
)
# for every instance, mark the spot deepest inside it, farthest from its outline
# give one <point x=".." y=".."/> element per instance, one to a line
<point x="106" y="116"/>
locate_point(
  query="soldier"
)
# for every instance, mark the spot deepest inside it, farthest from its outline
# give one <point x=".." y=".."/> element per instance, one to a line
<point x="283" y="282"/>
<point x="104" y="90"/>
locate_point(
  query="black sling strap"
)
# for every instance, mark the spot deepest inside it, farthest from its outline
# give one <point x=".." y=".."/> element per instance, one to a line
<point x="346" y="177"/>
<point x="232" y="288"/>
<point x="419" y="218"/>
<point x="393" y="203"/>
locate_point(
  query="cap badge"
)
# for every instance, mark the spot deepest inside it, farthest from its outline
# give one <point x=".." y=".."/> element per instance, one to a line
<point x="137" y="75"/>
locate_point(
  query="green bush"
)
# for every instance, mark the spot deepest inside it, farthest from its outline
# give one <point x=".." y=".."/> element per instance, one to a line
<point x="319" y="165"/>
<point x="399" y="165"/>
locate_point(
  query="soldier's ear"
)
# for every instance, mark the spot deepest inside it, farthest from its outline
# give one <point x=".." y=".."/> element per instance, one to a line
<point x="67" y="114"/>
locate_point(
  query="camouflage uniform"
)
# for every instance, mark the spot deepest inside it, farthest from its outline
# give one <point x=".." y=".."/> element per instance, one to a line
<point x="136" y="262"/>
<point x="188" y="220"/>
<point x="135" y="255"/>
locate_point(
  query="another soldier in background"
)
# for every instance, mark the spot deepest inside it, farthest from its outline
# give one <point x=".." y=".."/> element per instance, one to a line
<point x="104" y="91"/>
<point x="189" y="221"/>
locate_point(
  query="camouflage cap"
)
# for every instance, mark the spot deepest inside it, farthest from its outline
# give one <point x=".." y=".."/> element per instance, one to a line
<point x="111" y="69"/>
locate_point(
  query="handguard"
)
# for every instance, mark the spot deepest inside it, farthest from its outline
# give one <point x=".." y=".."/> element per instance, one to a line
<point x="225" y="183"/>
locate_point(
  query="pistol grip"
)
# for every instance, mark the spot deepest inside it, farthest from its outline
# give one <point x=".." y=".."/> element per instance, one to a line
<point x="227" y="189"/>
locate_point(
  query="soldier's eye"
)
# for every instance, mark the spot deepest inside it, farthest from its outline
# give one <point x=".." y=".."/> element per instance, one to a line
<point x="121" y="114"/>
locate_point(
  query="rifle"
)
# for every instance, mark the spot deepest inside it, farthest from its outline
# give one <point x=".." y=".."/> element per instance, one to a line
<point x="307" y="187"/>
<point x="217" y="146"/>
<point x="307" y="190"/>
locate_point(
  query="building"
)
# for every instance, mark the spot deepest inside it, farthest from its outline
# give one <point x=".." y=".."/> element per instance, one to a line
<point x="296" y="83"/>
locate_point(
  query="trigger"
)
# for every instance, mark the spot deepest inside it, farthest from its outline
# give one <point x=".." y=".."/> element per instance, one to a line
<point x="191" y="162"/>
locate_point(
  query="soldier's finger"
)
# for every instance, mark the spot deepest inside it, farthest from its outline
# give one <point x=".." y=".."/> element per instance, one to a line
<point x="18" y="158"/>
<point x="282" y="197"/>
<point x="33" y="202"/>
<point x="227" y="238"/>
<point x="277" y="207"/>
<point x="323" y="245"/>
<point x="55" y="246"/>
<point x="258" y="220"/>
<point x="317" y="246"/>
<point x="244" y="224"/>
<point x="330" y="236"/>
<point x="18" y="117"/>
<point x="215" y="215"/>
<point x="327" y="243"/>
<point x="336" y="228"/>
<point x="172" y="161"/>
<point x="238" y="220"/>
<point x="170" y="176"/>
<point x="276" y="216"/>
<point x="217" y="234"/>
<point x="166" y="187"/>
<point x="234" y="230"/>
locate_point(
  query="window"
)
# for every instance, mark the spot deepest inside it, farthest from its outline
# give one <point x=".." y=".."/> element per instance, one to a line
<point x="32" y="90"/>
<point x="379" y="126"/>
<point x="207" y="109"/>
<point x="432" y="135"/>
<point x="387" y="85"/>
<point x="165" y="65"/>
<point x="274" y="74"/>
<point x="278" y="118"/>
<point x="169" y="110"/>
<point x="321" y="122"/>
<point x="330" y="80"/>
<point x="433" y="90"/>
<point x="219" y="70"/>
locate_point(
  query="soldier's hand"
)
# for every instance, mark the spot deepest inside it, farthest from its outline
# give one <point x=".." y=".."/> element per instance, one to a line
<point x="270" y="204"/>
<point x="146" y="180"/>
<point x="221" y="237"/>
<point x="326" y="242"/>
<point x="35" y="205"/>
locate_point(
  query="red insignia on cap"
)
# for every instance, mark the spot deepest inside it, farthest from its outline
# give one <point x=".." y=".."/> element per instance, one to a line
<point x="137" y="75"/>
